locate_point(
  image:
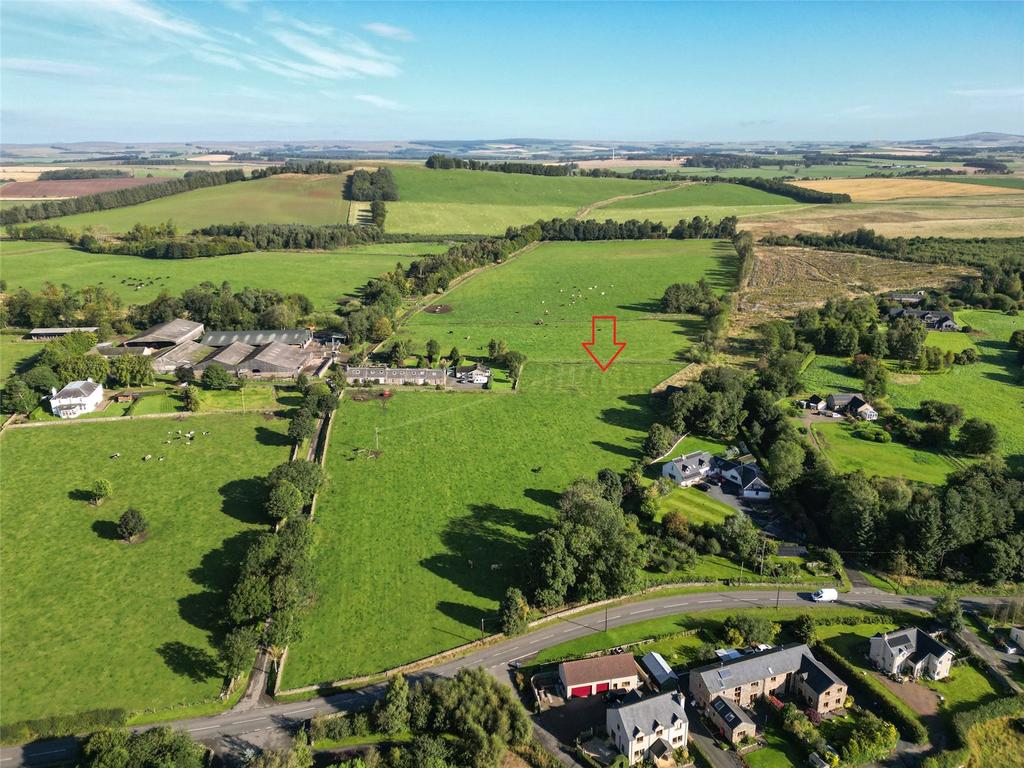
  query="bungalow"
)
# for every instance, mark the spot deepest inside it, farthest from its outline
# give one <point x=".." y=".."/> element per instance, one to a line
<point x="851" y="404"/>
<point x="732" y="722"/>
<point x="788" y="669"/>
<point x="599" y="674"/>
<point x="660" y="671"/>
<point x="380" y="374"/>
<point x="746" y="475"/>
<point x="649" y="729"/>
<point x="912" y="652"/>
<point x="933" y="319"/>
<point x="473" y="374"/>
<point x="46" y="334"/>
<point x="76" y="398"/>
<point x="165" y="335"/>
<point x="688" y="469"/>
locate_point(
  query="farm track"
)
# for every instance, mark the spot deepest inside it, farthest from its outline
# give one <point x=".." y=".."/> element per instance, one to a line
<point x="586" y="210"/>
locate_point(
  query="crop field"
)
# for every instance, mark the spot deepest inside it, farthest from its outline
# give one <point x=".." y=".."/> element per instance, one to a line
<point x="283" y="199"/>
<point x="541" y="302"/>
<point x="92" y="622"/>
<point x="323" y="276"/>
<point x="874" y="190"/>
<point x="483" y="202"/>
<point x="1009" y="182"/>
<point x="24" y="190"/>
<point x="987" y="390"/>
<point x="464" y="480"/>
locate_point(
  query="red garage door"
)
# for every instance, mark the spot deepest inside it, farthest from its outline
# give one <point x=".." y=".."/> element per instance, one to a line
<point x="602" y="687"/>
<point x="579" y="691"/>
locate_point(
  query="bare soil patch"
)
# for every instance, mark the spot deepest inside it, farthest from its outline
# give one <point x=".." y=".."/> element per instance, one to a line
<point x="439" y="309"/>
<point x="872" y="190"/>
<point x="922" y="700"/>
<point x="219" y="158"/>
<point x="30" y="190"/>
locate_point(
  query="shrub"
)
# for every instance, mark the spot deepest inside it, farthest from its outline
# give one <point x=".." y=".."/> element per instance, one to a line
<point x="131" y="525"/>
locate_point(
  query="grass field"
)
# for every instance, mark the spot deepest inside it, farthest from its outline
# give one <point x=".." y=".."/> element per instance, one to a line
<point x="871" y="190"/>
<point x="712" y="200"/>
<point x="994" y="743"/>
<point x="850" y="454"/>
<point x="282" y="199"/>
<point x="541" y="302"/>
<point x="946" y="341"/>
<point x="482" y="202"/>
<point x="323" y="276"/>
<point x="1009" y="182"/>
<point x="14" y="352"/>
<point x="91" y="622"/>
<point x="696" y="505"/>
<point x="987" y="389"/>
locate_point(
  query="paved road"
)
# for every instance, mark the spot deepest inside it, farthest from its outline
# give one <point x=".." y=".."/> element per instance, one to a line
<point x="236" y="728"/>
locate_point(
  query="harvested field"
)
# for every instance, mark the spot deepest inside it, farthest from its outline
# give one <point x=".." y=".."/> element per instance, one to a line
<point x="32" y="190"/>
<point x="221" y="158"/>
<point x="873" y="190"/>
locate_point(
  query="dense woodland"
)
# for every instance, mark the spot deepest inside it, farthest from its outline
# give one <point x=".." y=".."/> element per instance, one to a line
<point x="444" y="162"/>
<point x="65" y="174"/>
<point x="368" y="186"/>
<point x="308" y="167"/>
<point x="720" y="160"/>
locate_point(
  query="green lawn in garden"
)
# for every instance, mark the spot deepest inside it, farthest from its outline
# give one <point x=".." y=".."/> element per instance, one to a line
<point x="282" y="199"/>
<point x="542" y="301"/>
<point x="779" y="750"/>
<point x="696" y="505"/>
<point x="252" y="397"/>
<point x="965" y="688"/>
<point x="92" y="622"/>
<point x="323" y="276"/>
<point x="948" y="340"/>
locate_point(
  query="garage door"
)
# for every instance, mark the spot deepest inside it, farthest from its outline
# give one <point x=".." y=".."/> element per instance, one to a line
<point x="580" y="690"/>
<point x="602" y="687"/>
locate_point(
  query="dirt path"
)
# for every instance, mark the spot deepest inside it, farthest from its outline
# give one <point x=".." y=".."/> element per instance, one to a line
<point x="587" y="209"/>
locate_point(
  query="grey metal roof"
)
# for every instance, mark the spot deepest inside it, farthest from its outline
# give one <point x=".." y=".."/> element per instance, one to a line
<point x="647" y="715"/>
<point x="732" y="714"/>
<point x="257" y="338"/>
<point x="755" y="666"/>
<point x="186" y="352"/>
<point x="232" y="354"/>
<point x="655" y="663"/>
<point x="62" y="331"/>
<point x="283" y="355"/>
<point x="173" y="331"/>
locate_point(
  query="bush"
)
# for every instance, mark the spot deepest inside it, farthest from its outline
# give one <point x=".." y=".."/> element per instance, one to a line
<point x="131" y="525"/>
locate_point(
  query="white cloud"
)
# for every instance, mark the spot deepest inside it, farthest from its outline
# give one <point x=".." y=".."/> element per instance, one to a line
<point x="171" y="79"/>
<point x="389" y="31"/>
<point x="215" y="54"/>
<point x="151" y="16"/>
<point x="337" y="63"/>
<point x="311" y="29"/>
<point x="50" y="67"/>
<point x="1007" y="92"/>
<point x="379" y="101"/>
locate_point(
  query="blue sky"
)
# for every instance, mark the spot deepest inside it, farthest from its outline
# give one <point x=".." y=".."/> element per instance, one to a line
<point x="143" y="70"/>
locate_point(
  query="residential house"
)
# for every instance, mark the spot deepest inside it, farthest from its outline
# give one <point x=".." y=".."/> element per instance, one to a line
<point x="933" y="319"/>
<point x="46" y="334"/>
<point x="76" y="398"/>
<point x="165" y="335"/>
<point x="788" y="670"/>
<point x="814" y="403"/>
<point x="473" y="374"/>
<point x="379" y="374"/>
<point x="651" y="728"/>
<point x="911" y="652"/>
<point x="747" y="477"/>
<point x="851" y="404"/>
<point x="660" y="671"/>
<point x="300" y="337"/>
<point x="688" y="469"/>
<point x="732" y="722"/>
<point x="598" y="674"/>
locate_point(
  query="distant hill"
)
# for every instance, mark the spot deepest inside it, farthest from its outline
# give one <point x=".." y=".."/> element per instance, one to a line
<point x="982" y="138"/>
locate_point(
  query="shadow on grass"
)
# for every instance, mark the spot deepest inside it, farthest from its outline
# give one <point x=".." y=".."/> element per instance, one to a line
<point x="543" y="496"/>
<point x="80" y="494"/>
<point x="188" y="661"/>
<point x="106" y="529"/>
<point x="216" y="574"/>
<point x="244" y="500"/>
<point x="271" y="437"/>
<point x="618" y="450"/>
<point x="468" y="616"/>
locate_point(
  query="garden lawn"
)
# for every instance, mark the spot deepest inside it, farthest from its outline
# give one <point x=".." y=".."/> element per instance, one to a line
<point x="91" y="622"/>
<point x="848" y="453"/>
<point x="485" y="202"/>
<point x="15" y="352"/>
<point x="947" y="340"/>
<point x="283" y="199"/>
<point x="542" y="301"/>
<point x="964" y="689"/>
<point x="696" y="505"/>
<point x="987" y="390"/>
<point x="323" y="276"/>
<point x="779" y="751"/>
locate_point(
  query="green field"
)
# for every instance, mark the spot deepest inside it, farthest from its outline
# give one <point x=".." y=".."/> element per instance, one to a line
<point x="91" y="622"/>
<point x="463" y="481"/>
<point x="541" y="302"/>
<point x="986" y="390"/>
<point x="282" y="199"/>
<point x="696" y="505"/>
<point x="946" y="340"/>
<point x="483" y="202"/>
<point x="715" y="201"/>
<point x="1010" y="182"/>
<point x="850" y="454"/>
<point x="323" y="276"/>
<point x="14" y="351"/>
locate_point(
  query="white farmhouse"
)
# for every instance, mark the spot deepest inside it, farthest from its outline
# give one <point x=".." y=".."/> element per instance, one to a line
<point x="688" y="469"/>
<point x="911" y="652"/>
<point x="76" y="398"/>
<point x="649" y="729"/>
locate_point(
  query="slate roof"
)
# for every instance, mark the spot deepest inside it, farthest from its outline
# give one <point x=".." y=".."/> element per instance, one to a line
<point x="282" y="355"/>
<point x="76" y="390"/>
<point x="815" y="399"/>
<point x="231" y="355"/>
<point x="844" y="399"/>
<point x="597" y="669"/>
<point x="383" y="372"/>
<point x="693" y="464"/>
<point x="256" y="338"/>
<point x="173" y="331"/>
<point x="818" y="677"/>
<point x="472" y="368"/>
<point x="930" y="317"/>
<point x="732" y="714"/>
<point x="759" y="666"/>
<point x="647" y="715"/>
<point x="918" y="641"/>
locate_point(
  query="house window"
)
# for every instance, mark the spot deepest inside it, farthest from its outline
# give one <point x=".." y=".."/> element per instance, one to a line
<point x="639" y="739"/>
<point x="736" y="692"/>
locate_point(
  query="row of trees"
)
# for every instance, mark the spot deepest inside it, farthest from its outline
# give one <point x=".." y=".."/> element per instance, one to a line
<point x="800" y="194"/>
<point x="68" y="174"/>
<point x="372" y="185"/>
<point x="272" y="237"/>
<point x="308" y="167"/>
<point x="444" y="162"/>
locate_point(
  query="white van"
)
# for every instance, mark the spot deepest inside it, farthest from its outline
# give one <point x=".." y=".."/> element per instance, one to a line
<point x="827" y="595"/>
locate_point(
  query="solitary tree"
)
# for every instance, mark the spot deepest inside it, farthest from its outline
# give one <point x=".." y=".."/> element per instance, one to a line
<point x="433" y="351"/>
<point x="192" y="398"/>
<point x="977" y="437"/>
<point x="947" y="610"/>
<point x="515" y="362"/>
<point x="805" y="630"/>
<point x="659" y="441"/>
<point x="514" y="612"/>
<point x="101" y="489"/>
<point x="131" y="525"/>
<point x="215" y="377"/>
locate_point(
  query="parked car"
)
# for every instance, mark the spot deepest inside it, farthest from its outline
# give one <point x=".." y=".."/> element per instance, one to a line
<point x="703" y="487"/>
<point x="825" y="595"/>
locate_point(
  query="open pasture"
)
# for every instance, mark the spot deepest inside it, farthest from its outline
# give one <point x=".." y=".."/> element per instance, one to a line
<point x="875" y="190"/>
<point x="485" y="202"/>
<point x="541" y="302"/>
<point x="15" y="351"/>
<point x="715" y="201"/>
<point x="92" y="622"/>
<point x="283" y="199"/>
<point x="323" y="276"/>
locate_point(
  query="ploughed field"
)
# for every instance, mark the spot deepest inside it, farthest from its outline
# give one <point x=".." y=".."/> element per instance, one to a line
<point x="323" y="276"/>
<point x="69" y="188"/>
<point x="418" y="543"/>
<point x="91" y="622"/>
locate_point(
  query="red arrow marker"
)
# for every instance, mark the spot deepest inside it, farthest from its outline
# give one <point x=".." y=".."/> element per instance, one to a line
<point x="619" y="345"/>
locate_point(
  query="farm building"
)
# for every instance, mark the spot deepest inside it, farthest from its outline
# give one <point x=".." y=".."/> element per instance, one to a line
<point x="732" y="722"/>
<point x="76" y="398"/>
<point x="907" y="299"/>
<point x="276" y="359"/>
<point x="659" y="670"/>
<point x="813" y="403"/>
<point x="911" y="652"/>
<point x="296" y="338"/>
<point x="45" y="334"/>
<point x="746" y="475"/>
<point x="395" y="376"/>
<point x="933" y="319"/>
<point x="851" y="404"/>
<point x="186" y="355"/>
<point x="786" y="670"/>
<point x="651" y="728"/>
<point x="688" y="469"/>
<point x="601" y="673"/>
<point x="229" y="357"/>
<point x="168" y="334"/>
<point x="473" y="374"/>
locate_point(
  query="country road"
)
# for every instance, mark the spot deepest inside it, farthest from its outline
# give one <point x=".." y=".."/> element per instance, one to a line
<point x="231" y="728"/>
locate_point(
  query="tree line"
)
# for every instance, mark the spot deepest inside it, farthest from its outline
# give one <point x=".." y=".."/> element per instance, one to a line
<point x="720" y="160"/>
<point x="368" y="186"/>
<point x="308" y="167"/>
<point x="444" y="162"/>
<point x="65" y="174"/>
<point x="800" y="194"/>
